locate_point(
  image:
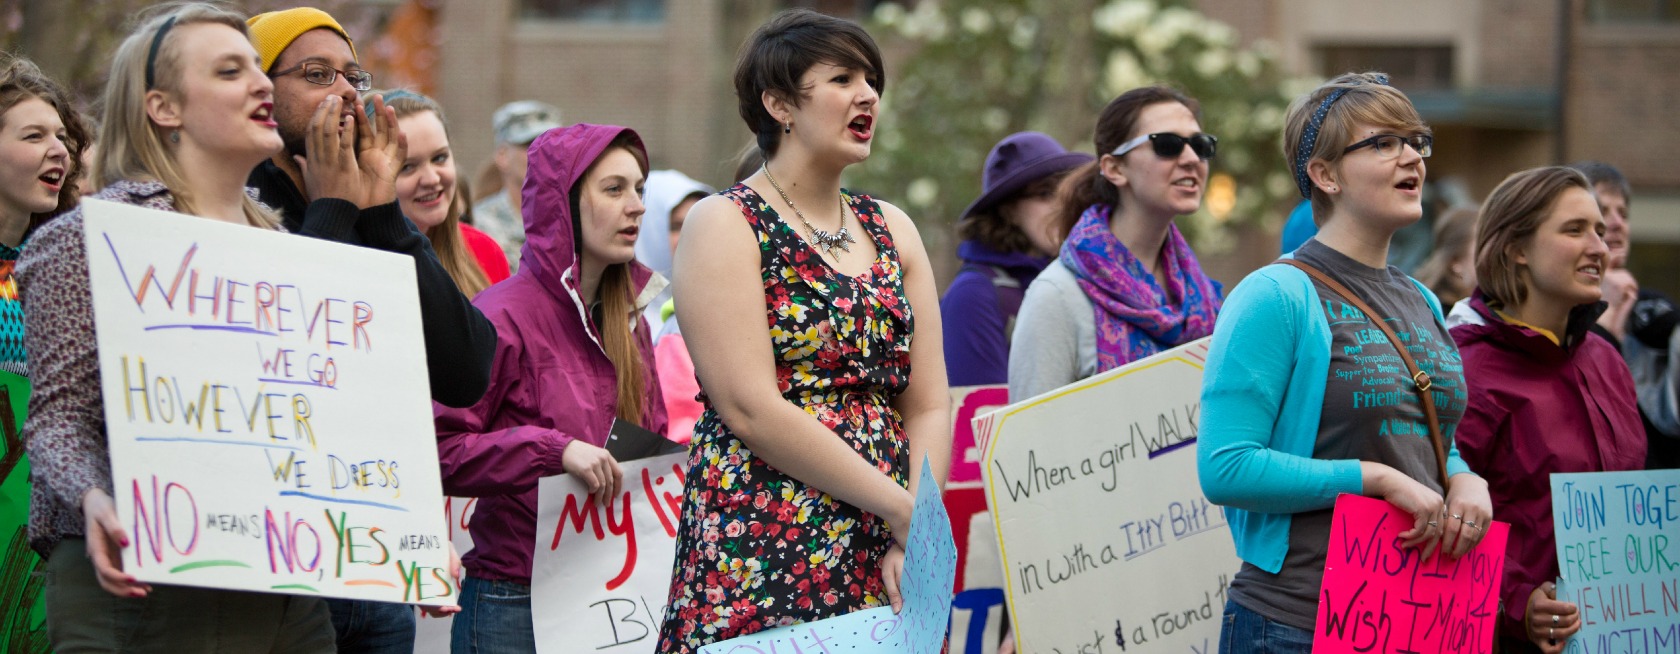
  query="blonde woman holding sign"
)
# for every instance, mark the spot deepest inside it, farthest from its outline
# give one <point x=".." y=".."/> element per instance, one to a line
<point x="1305" y="396"/>
<point x="188" y="115"/>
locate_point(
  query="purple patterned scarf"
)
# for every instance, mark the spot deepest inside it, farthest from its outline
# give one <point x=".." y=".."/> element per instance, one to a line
<point x="1135" y="316"/>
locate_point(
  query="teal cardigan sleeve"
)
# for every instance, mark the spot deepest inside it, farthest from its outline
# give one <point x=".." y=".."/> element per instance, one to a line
<point x="1262" y="392"/>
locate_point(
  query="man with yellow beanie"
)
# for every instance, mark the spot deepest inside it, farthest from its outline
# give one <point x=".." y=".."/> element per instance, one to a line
<point x="336" y="180"/>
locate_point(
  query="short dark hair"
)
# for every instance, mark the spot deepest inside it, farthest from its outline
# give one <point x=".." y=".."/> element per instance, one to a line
<point x="780" y="51"/>
<point x="1598" y="172"/>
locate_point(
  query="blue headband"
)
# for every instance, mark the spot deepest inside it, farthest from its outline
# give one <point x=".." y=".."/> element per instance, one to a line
<point x="1310" y="137"/>
<point x="367" y="107"/>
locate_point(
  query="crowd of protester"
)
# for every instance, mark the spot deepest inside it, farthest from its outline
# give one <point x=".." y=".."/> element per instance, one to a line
<point x="789" y="330"/>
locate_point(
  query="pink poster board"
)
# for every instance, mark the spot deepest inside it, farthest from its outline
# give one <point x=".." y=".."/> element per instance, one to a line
<point x="1379" y="598"/>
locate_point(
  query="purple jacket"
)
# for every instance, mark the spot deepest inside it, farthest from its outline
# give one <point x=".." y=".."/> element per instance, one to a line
<point x="979" y="312"/>
<point x="551" y="381"/>
<point x="1536" y="408"/>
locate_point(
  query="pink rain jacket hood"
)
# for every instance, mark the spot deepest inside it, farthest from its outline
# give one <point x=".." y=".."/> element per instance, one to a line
<point x="551" y="382"/>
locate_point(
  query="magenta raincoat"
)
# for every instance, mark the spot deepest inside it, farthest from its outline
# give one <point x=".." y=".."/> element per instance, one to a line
<point x="1537" y="408"/>
<point x="551" y="382"/>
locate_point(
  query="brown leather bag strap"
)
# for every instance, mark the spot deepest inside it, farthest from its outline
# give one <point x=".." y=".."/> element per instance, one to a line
<point x="1420" y="379"/>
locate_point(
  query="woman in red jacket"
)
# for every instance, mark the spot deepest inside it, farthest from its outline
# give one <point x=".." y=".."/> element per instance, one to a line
<point x="1546" y="394"/>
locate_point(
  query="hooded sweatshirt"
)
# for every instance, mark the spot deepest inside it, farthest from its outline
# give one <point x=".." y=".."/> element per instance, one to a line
<point x="979" y="311"/>
<point x="664" y="191"/>
<point x="551" y="382"/>
<point x="1535" y="408"/>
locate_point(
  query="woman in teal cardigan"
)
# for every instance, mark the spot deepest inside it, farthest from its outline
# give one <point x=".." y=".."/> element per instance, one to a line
<point x="1304" y="398"/>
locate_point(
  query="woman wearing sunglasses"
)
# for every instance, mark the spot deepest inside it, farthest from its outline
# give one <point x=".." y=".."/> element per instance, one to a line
<point x="1126" y="284"/>
<point x="1308" y="395"/>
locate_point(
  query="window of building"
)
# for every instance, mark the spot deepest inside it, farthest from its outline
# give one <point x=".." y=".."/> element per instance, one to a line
<point x="1633" y="11"/>
<point x="594" y="11"/>
<point x="1414" y="68"/>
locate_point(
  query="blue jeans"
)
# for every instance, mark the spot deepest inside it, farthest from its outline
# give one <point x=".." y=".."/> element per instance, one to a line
<point x="495" y="617"/>
<point x="1243" y="631"/>
<point x="366" y="627"/>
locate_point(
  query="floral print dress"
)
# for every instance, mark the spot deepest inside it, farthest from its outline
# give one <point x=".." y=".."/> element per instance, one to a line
<point x="756" y="548"/>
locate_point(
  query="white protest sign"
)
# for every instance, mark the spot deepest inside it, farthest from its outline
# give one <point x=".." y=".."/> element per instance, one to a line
<point x="601" y="575"/>
<point x="1107" y="541"/>
<point x="431" y="634"/>
<point x="267" y="408"/>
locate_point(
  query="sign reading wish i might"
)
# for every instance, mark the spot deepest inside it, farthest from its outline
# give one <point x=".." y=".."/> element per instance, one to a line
<point x="1381" y="597"/>
<point x="1108" y="543"/>
<point x="267" y="408"/>
<point x="930" y="568"/>
<point x="1618" y="549"/>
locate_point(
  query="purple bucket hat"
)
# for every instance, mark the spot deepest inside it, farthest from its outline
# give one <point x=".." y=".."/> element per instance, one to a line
<point x="1018" y="160"/>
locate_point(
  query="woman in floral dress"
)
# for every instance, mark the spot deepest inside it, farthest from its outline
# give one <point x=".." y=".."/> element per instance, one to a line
<point x="803" y="466"/>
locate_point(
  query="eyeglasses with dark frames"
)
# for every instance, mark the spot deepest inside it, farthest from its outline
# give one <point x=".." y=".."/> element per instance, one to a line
<point x="1388" y="146"/>
<point x="1168" y="145"/>
<point x="321" y="74"/>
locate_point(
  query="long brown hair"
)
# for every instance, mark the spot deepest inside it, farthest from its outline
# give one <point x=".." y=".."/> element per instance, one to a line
<point x="21" y="80"/>
<point x="1511" y="214"/>
<point x="131" y="146"/>
<point x="617" y="292"/>
<point x="1085" y="186"/>
<point x="447" y="242"/>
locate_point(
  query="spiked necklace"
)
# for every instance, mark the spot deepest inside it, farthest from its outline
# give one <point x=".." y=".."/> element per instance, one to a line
<point x="828" y="242"/>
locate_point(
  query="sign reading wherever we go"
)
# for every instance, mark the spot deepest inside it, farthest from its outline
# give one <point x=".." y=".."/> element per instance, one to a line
<point x="930" y="568"/>
<point x="1618" y="549"/>
<point x="601" y="575"/>
<point x="1094" y="489"/>
<point x="269" y="420"/>
<point x="1379" y="596"/>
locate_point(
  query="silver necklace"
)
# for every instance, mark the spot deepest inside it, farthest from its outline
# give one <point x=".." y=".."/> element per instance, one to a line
<point x="841" y="239"/>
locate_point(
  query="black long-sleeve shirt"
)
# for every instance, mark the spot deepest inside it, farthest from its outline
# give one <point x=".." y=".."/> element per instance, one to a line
<point x="460" y="341"/>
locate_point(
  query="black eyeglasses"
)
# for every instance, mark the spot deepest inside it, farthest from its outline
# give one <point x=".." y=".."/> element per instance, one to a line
<point x="1388" y="146"/>
<point x="1168" y="145"/>
<point x="316" y="72"/>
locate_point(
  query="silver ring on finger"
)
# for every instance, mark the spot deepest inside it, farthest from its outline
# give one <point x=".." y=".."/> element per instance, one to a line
<point x="1432" y="523"/>
<point x="1554" y="620"/>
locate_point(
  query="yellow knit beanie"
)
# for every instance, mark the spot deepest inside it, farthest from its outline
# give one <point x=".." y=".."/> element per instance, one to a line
<point x="272" y="32"/>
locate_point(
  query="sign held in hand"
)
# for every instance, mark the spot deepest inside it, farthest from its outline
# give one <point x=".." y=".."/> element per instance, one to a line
<point x="1383" y="598"/>
<point x="1618" y="549"/>
<point x="930" y="568"/>
<point x="267" y="409"/>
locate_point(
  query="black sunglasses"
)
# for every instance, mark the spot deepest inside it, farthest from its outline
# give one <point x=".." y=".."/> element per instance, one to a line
<point x="1168" y="145"/>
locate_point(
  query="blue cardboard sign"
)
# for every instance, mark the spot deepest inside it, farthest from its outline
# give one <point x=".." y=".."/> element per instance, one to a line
<point x="1618" y="549"/>
<point x="930" y="569"/>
